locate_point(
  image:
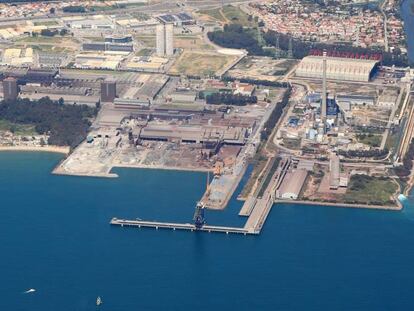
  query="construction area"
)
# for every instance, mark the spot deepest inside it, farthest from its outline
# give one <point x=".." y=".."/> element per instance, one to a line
<point x="166" y="123"/>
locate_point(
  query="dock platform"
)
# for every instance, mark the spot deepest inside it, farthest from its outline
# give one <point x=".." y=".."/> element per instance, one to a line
<point x="257" y="210"/>
<point x="248" y="206"/>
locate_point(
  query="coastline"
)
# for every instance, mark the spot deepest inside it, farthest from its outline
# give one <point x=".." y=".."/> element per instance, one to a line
<point x="58" y="170"/>
<point x="397" y="207"/>
<point x="54" y="149"/>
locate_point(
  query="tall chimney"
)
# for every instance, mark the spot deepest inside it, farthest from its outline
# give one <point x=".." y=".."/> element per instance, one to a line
<point x="324" y="103"/>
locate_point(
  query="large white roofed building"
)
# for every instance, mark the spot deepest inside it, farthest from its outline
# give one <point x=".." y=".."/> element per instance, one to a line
<point x="338" y="68"/>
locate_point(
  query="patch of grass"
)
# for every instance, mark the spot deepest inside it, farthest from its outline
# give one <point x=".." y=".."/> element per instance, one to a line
<point x="93" y="71"/>
<point x="200" y="64"/>
<point x="292" y="143"/>
<point x="144" y="52"/>
<point x="237" y="16"/>
<point x="370" y="139"/>
<point x="392" y="140"/>
<point x="364" y="189"/>
<point x="259" y="163"/>
<point x="213" y="13"/>
<point x="148" y="40"/>
<point x="230" y="14"/>
<point x="95" y="39"/>
<point x="191" y="42"/>
<point x="18" y="129"/>
<point x="46" y="23"/>
<point x="270" y="172"/>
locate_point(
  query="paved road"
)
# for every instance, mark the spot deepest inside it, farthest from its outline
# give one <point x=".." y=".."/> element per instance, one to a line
<point x="162" y="7"/>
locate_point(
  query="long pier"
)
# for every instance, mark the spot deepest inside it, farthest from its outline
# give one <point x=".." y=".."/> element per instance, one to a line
<point x="176" y="226"/>
<point x="257" y="210"/>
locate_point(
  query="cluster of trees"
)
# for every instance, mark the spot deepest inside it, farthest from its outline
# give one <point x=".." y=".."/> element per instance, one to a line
<point x="66" y="125"/>
<point x="74" y="9"/>
<point x="301" y="49"/>
<point x="359" y="182"/>
<point x="372" y="153"/>
<point x="405" y="169"/>
<point x="257" y="82"/>
<point x="52" y="33"/>
<point x="236" y="37"/>
<point x="230" y="99"/>
<point x="275" y="115"/>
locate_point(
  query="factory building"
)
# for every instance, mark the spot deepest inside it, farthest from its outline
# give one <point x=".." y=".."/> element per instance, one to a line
<point x="183" y="96"/>
<point x="108" y="91"/>
<point x="334" y="172"/>
<point x="356" y="100"/>
<point x="337" y="68"/>
<point x="119" y="39"/>
<point x="108" y="46"/>
<point x="10" y="89"/>
<point x="292" y="184"/>
<point x="44" y="76"/>
<point x="164" y="40"/>
<point x="194" y="134"/>
<point x="134" y="104"/>
<point x="179" y="19"/>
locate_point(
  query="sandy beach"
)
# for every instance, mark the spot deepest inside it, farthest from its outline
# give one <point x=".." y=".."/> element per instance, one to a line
<point x="55" y="149"/>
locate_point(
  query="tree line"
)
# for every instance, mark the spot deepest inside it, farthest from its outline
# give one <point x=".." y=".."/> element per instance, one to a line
<point x="74" y="9"/>
<point x="237" y="37"/>
<point x="275" y="115"/>
<point x="230" y="99"/>
<point x="301" y="48"/>
<point x="372" y="153"/>
<point x="66" y="125"/>
<point x="257" y="82"/>
<point x="404" y="170"/>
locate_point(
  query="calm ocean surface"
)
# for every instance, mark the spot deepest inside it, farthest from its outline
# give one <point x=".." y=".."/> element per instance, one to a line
<point x="408" y="16"/>
<point x="55" y="237"/>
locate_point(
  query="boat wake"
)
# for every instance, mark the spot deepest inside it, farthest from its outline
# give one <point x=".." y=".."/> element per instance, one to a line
<point x="32" y="290"/>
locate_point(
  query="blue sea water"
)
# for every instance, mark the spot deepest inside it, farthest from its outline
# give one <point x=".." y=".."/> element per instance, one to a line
<point x="408" y="17"/>
<point x="55" y="237"/>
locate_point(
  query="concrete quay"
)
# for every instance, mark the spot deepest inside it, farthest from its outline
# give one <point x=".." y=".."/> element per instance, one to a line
<point x="248" y="206"/>
<point x="257" y="210"/>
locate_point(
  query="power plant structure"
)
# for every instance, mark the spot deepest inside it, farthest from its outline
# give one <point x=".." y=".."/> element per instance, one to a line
<point x="324" y="91"/>
<point x="108" y="91"/>
<point x="10" y="89"/>
<point x="164" y="40"/>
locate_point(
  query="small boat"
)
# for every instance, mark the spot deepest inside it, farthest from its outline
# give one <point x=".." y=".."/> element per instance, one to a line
<point x="98" y="301"/>
<point x="32" y="290"/>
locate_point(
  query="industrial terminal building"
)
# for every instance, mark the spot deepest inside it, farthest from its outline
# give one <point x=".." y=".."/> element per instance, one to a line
<point x="338" y="68"/>
<point x="164" y="39"/>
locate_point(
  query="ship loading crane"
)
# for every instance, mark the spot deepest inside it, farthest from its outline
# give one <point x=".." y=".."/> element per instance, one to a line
<point x="199" y="217"/>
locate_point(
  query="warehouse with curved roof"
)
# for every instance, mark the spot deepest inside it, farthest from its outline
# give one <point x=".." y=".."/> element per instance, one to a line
<point x="338" y="68"/>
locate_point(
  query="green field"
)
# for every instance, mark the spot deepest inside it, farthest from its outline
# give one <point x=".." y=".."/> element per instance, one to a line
<point x="46" y="23"/>
<point x="364" y="189"/>
<point x="230" y="14"/>
<point x="148" y="40"/>
<point x="200" y="64"/>
<point x="292" y="143"/>
<point x="18" y="129"/>
<point x="213" y="13"/>
<point x="370" y="139"/>
<point x="144" y="52"/>
<point x="259" y="163"/>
